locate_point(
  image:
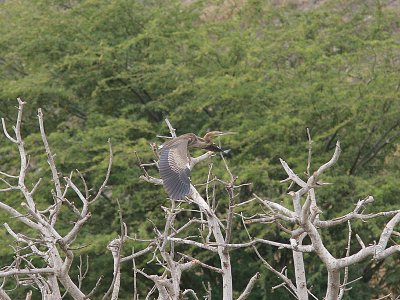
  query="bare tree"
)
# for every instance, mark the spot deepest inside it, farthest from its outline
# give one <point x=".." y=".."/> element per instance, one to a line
<point x="54" y="250"/>
<point x="304" y="220"/>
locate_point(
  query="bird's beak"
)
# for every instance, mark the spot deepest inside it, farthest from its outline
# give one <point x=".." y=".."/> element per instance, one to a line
<point x="226" y="133"/>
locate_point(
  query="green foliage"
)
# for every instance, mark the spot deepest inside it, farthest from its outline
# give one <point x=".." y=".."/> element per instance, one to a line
<point x="114" y="69"/>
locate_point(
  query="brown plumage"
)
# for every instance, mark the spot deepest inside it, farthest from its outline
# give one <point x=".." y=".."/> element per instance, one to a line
<point x="174" y="164"/>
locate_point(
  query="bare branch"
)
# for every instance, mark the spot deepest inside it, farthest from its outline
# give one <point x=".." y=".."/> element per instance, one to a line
<point x="51" y="162"/>
<point x="171" y="129"/>
<point x="7" y="134"/>
<point x="193" y="243"/>
<point x="8" y="175"/>
<point x="94" y="288"/>
<point x="360" y="241"/>
<point x="151" y="179"/>
<point x="137" y="254"/>
<point x="277" y="206"/>
<point x="331" y="162"/>
<point x="196" y="261"/>
<point x="387" y="232"/>
<point x="309" y="152"/>
<point x="299" y="268"/>
<point x="195" y="160"/>
<point x="346" y="269"/>
<point x="14" y="272"/>
<point x="3" y="295"/>
<point x="249" y="287"/>
<point x="36" y="186"/>
<point x="18" y="215"/>
<point x="292" y="176"/>
<point x="187" y="291"/>
<point x="28" y="295"/>
<point x="70" y="237"/>
<point x="115" y="246"/>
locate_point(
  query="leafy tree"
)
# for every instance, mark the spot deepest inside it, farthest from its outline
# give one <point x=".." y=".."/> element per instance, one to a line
<point x="115" y="69"/>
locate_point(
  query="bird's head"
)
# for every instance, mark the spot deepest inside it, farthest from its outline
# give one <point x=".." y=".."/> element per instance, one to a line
<point x="210" y="146"/>
<point x="212" y="134"/>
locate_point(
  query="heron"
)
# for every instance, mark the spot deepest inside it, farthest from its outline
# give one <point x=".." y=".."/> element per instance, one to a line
<point x="174" y="163"/>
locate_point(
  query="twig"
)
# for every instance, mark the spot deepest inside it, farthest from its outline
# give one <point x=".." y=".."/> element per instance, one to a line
<point x="7" y="134"/>
<point x="346" y="269"/>
<point x="141" y="166"/>
<point x="218" y="270"/>
<point x="135" y="292"/>
<point x="104" y="184"/>
<point x="171" y="129"/>
<point x="309" y="151"/>
<point x="91" y="293"/>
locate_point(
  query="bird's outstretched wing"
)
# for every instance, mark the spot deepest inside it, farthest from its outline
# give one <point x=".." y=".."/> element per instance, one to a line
<point x="174" y="168"/>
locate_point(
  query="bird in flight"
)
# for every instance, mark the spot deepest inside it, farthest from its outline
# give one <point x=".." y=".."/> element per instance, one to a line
<point x="174" y="163"/>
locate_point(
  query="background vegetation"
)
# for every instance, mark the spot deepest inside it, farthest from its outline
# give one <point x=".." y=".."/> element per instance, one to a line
<point x="265" y="69"/>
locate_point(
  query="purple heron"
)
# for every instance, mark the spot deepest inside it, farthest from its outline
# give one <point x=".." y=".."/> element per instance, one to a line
<point x="174" y="163"/>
